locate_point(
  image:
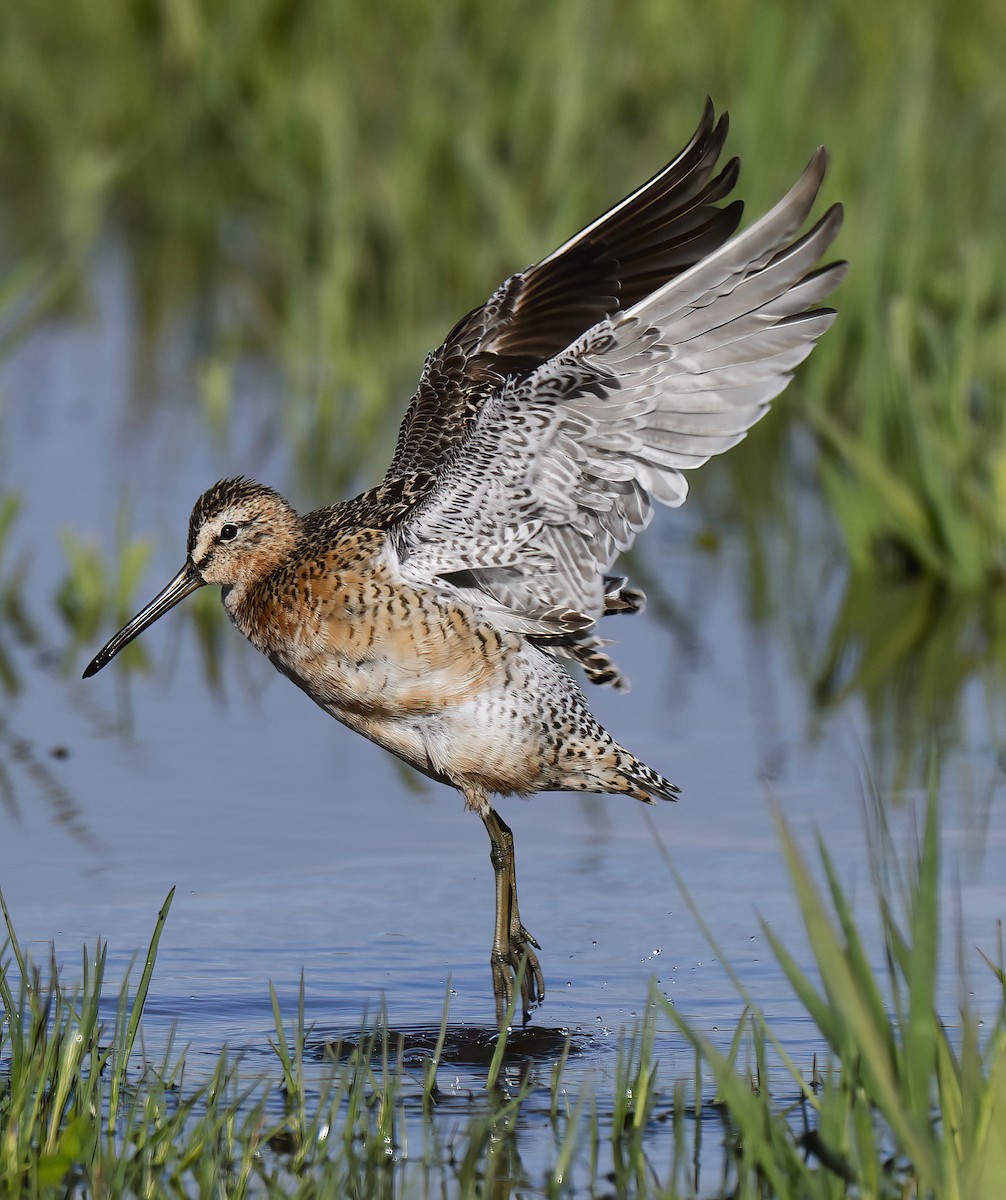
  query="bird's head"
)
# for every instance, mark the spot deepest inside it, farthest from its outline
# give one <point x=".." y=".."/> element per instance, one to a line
<point x="239" y="532"/>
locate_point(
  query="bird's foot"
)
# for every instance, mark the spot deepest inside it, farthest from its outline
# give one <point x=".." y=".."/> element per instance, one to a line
<point x="518" y="963"/>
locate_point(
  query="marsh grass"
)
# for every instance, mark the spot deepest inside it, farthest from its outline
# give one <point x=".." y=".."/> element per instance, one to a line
<point x="903" y="1103"/>
<point x="897" y="1102"/>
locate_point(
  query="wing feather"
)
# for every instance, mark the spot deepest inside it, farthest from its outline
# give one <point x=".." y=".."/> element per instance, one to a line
<point x="659" y="231"/>
<point x="561" y="464"/>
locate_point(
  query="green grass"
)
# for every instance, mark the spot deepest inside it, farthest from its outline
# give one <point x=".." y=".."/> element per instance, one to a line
<point x="905" y="1104"/>
<point x="898" y="1103"/>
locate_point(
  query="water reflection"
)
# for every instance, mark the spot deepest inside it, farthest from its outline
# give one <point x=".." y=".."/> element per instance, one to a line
<point x="28" y="775"/>
<point x="470" y="1046"/>
<point x="912" y="653"/>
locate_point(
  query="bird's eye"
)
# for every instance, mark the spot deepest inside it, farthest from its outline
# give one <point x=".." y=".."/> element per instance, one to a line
<point x="227" y="533"/>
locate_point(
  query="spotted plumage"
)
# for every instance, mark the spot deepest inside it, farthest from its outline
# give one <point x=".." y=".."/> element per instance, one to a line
<point x="433" y="613"/>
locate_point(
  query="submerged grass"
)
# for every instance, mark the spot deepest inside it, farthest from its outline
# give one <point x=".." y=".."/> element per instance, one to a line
<point x="900" y="1103"/>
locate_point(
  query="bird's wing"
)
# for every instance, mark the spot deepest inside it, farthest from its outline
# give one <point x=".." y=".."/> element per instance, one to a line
<point x="557" y="473"/>
<point x="658" y="232"/>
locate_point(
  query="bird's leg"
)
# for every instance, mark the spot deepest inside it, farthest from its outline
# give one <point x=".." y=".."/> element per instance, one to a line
<point x="499" y="959"/>
<point x="512" y="944"/>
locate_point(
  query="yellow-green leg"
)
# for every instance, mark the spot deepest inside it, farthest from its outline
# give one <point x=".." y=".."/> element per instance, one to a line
<point x="512" y="944"/>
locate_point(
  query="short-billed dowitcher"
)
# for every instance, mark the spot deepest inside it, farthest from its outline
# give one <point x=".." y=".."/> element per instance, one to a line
<point x="432" y="612"/>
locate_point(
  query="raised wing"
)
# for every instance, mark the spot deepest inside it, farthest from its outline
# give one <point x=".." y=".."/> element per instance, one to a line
<point x="559" y="469"/>
<point x="662" y="229"/>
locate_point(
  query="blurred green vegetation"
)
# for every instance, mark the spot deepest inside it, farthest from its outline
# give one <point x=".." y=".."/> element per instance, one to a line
<point x="324" y="189"/>
<point x="355" y="183"/>
<point x="9" y="591"/>
<point x="93" y="590"/>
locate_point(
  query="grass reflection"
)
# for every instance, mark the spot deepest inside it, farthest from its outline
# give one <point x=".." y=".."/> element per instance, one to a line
<point x="912" y="652"/>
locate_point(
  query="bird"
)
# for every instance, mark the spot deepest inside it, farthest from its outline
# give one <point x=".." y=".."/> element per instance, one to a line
<point x="447" y="613"/>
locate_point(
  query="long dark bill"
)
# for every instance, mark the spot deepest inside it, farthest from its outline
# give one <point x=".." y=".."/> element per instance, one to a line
<point x="184" y="584"/>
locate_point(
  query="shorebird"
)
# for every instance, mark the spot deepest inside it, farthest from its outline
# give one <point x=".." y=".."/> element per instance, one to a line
<point x="434" y="613"/>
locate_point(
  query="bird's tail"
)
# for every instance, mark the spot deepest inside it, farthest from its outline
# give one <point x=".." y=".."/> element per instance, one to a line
<point x="646" y="784"/>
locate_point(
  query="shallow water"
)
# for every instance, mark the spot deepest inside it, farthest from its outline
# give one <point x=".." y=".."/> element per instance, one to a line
<point x="296" y="846"/>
